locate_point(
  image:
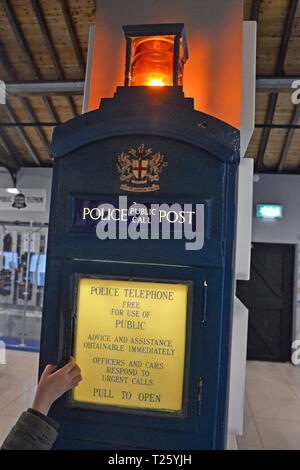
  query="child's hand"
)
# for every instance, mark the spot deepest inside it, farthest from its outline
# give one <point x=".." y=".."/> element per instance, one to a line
<point x="54" y="384"/>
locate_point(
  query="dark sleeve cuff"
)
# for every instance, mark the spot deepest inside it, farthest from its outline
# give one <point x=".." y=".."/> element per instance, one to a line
<point x="48" y="420"/>
<point x="31" y="432"/>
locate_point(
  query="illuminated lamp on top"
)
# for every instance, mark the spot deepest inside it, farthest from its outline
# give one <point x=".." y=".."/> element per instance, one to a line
<point x="155" y="54"/>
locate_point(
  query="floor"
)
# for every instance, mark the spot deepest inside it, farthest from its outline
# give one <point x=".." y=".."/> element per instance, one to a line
<point x="18" y="378"/>
<point x="272" y="405"/>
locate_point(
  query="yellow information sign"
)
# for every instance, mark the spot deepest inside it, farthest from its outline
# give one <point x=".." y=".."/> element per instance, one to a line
<point x="130" y="343"/>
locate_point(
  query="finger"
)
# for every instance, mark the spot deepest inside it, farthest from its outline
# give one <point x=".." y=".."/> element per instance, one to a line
<point x="78" y="377"/>
<point x="49" y="369"/>
<point x="69" y="366"/>
<point x="75" y="371"/>
<point x="76" y="381"/>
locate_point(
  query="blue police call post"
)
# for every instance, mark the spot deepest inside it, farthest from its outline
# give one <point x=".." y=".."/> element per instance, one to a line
<point x="140" y="260"/>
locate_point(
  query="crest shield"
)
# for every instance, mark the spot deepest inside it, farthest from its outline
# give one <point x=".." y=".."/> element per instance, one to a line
<point x="140" y="168"/>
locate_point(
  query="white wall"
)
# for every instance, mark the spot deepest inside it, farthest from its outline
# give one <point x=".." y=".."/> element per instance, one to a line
<point x="278" y="189"/>
<point x="284" y="190"/>
<point x="237" y="368"/>
<point x="28" y="178"/>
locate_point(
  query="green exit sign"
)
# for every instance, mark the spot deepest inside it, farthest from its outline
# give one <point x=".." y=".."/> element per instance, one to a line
<point x="269" y="211"/>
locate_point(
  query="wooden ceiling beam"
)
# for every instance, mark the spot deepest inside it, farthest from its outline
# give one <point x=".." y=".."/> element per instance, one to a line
<point x="33" y="119"/>
<point x="288" y="138"/>
<point x="50" y="109"/>
<point x="47" y="38"/>
<point x="10" y="149"/>
<point x="273" y="97"/>
<point x="54" y="57"/>
<point x="27" y="124"/>
<point x="7" y="162"/>
<point x="291" y="14"/>
<point x="22" y="43"/>
<point x="6" y="64"/>
<point x="11" y="115"/>
<point x="274" y="126"/>
<point x="255" y="10"/>
<point x="20" y="38"/>
<point x="12" y="76"/>
<point x="73" y="36"/>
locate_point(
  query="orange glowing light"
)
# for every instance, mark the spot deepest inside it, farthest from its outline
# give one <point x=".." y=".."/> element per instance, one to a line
<point x="152" y="61"/>
<point x="155" y="82"/>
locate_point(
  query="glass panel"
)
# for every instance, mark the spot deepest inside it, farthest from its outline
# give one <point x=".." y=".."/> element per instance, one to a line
<point x="22" y="263"/>
<point x="130" y="340"/>
<point x="152" y="61"/>
<point x="41" y="271"/>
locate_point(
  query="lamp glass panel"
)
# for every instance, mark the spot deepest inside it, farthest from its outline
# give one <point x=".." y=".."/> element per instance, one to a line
<point x="152" y="61"/>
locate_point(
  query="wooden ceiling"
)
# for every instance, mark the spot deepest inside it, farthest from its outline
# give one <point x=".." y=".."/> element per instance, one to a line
<point x="42" y="40"/>
<point x="276" y="149"/>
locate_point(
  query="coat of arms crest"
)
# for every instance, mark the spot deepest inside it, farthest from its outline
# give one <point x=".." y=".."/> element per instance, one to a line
<point x="140" y="168"/>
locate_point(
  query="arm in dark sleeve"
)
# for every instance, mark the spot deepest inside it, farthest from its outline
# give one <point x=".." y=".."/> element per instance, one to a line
<point x="32" y="431"/>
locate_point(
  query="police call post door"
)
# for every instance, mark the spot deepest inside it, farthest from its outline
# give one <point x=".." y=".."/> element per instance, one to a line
<point x="139" y="272"/>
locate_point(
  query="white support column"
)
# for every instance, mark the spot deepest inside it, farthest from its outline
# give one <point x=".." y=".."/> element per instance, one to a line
<point x="243" y="237"/>
<point x="248" y="84"/>
<point x="244" y="220"/>
<point x="88" y="74"/>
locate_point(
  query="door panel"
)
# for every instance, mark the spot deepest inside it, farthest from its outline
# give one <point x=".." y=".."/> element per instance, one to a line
<point x="153" y="430"/>
<point x="269" y="297"/>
